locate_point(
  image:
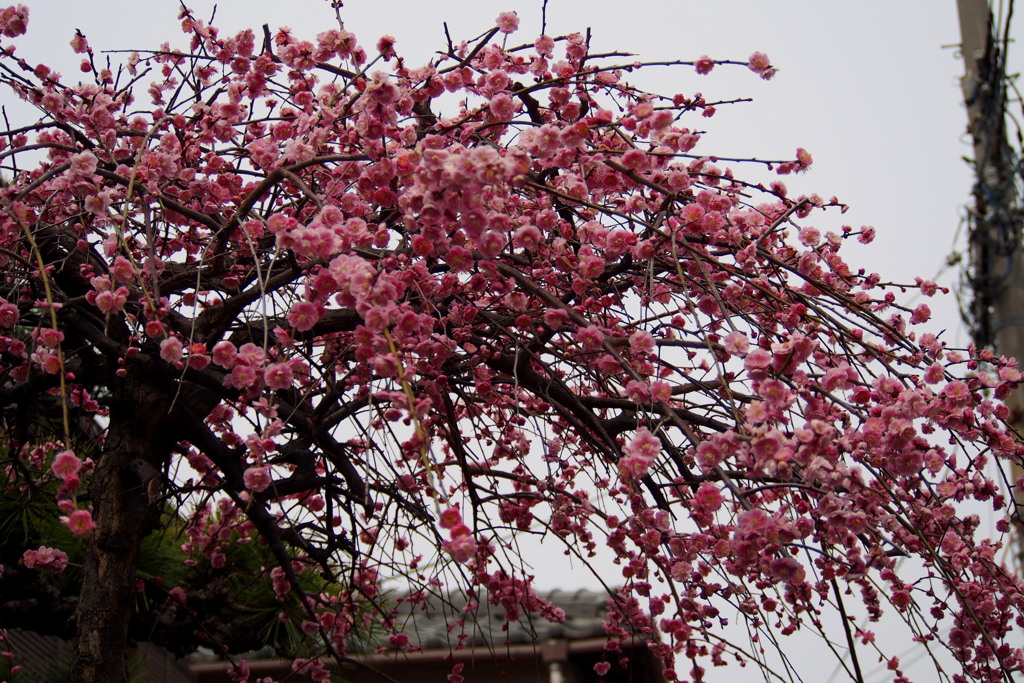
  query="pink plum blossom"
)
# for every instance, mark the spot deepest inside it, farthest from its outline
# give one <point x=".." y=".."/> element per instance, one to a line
<point x="545" y="46"/>
<point x="303" y="315"/>
<point x="704" y="65"/>
<point x="171" y="349"/>
<point x="83" y="164"/>
<point x="66" y="464"/>
<point x="8" y="313"/>
<point x="921" y="314"/>
<point x="257" y="479"/>
<point x="737" y="343"/>
<point x="708" y="497"/>
<point x="13" y="21"/>
<point x="462" y="548"/>
<point x="507" y="22"/>
<point x="590" y="337"/>
<point x="759" y="62"/>
<point x="79" y="522"/>
<point x="224" y="354"/>
<point x="638" y="454"/>
<point x="278" y="376"/>
<point x="641" y="342"/>
<point x="450" y="518"/>
<point x="45" y="559"/>
<point x="386" y="46"/>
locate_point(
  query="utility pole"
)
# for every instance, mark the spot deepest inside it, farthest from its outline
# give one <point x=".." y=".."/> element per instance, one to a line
<point x="996" y="313"/>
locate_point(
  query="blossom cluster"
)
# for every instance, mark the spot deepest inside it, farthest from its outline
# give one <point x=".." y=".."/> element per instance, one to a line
<point x="45" y="559"/>
<point x="342" y="310"/>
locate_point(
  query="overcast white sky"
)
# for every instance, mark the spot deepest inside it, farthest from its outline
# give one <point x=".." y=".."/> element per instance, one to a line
<point x="870" y="88"/>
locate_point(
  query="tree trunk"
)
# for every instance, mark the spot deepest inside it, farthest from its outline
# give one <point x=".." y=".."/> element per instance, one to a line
<point x="124" y="490"/>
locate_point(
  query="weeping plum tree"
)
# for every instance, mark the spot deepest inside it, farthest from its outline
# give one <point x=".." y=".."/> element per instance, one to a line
<point x="385" y="320"/>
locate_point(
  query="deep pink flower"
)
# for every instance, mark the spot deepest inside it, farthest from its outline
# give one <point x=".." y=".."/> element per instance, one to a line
<point x="590" y="267"/>
<point x="810" y="237"/>
<point x="759" y="62"/>
<point x="79" y="45"/>
<point x="98" y="203"/>
<point x="555" y="318"/>
<point x="8" y="314"/>
<point x="928" y="288"/>
<point x="957" y="392"/>
<point x="45" y="559"/>
<point x="507" y="22"/>
<point x="638" y="454"/>
<point x="257" y="478"/>
<point x="303" y="315"/>
<point x="934" y="373"/>
<point x="224" y="354"/>
<point x="450" y="518"/>
<point x="462" y="548"/>
<point x="502" y="106"/>
<point x="691" y="213"/>
<point x="643" y="443"/>
<point x="14" y="21"/>
<point x="757" y="360"/>
<point x="708" y="497"/>
<point x="278" y="376"/>
<point x="83" y="164"/>
<point x="197" y="356"/>
<point x="959" y="639"/>
<point x="641" y="342"/>
<point x="242" y="377"/>
<point x="111" y="301"/>
<point x="79" y="521"/>
<point x="491" y="243"/>
<point x="635" y="159"/>
<point x="704" y="65"/>
<point x="545" y="46"/>
<point x="638" y="392"/>
<point x="590" y="337"/>
<point x="709" y="455"/>
<point x="50" y="338"/>
<point x="171" y="349"/>
<point x="386" y="47"/>
<point x="901" y="599"/>
<point x="459" y="529"/>
<point x="803" y="157"/>
<point x="786" y="569"/>
<point x="154" y="328"/>
<point x="921" y="314"/>
<point x="399" y="640"/>
<point x="49" y="362"/>
<point x="66" y="464"/>
<point x="661" y="392"/>
<point x="737" y="343"/>
<point x="251" y="354"/>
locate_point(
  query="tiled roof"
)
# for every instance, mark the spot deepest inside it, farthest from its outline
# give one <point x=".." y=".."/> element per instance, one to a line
<point x="442" y="634"/>
<point x="45" y="659"/>
<point x="429" y="624"/>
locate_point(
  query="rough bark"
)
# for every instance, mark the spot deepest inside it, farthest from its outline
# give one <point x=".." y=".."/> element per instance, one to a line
<point x="125" y="495"/>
